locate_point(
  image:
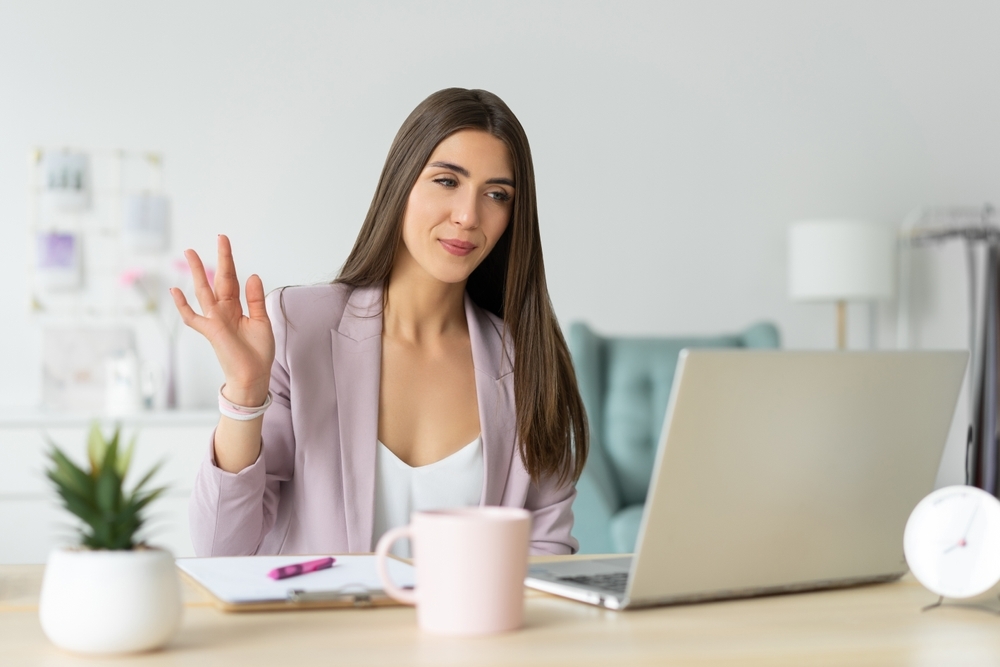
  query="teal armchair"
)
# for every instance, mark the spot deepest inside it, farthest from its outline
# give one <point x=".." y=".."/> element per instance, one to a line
<point x="625" y="384"/>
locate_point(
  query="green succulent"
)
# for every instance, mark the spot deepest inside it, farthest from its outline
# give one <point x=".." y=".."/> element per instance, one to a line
<point x="111" y="516"/>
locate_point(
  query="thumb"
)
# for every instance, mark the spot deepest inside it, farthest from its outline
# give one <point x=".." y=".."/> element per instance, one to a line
<point x="256" y="309"/>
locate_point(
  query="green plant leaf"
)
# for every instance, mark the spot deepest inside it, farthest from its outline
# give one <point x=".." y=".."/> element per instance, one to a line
<point x="87" y="514"/>
<point x="108" y="491"/>
<point x="146" y="478"/>
<point x="111" y="456"/>
<point x="110" y="516"/>
<point x="96" y="447"/>
<point x="150" y="496"/>
<point x="65" y="491"/>
<point x="68" y="474"/>
<point x="126" y="459"/>
<point x="111" y="453"/>
<point x="130" y="523"/>
<point x="115" y="439"/>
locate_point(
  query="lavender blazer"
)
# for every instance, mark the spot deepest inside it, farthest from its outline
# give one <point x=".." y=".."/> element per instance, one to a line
<point x="312" y="489"/>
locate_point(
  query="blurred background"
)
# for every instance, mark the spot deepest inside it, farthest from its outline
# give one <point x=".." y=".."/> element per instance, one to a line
<point x="674" y="143"/>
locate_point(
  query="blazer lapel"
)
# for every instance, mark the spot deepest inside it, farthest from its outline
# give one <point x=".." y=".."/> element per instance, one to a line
<point x="495" y="393"/>
<point x="357" y="360"/>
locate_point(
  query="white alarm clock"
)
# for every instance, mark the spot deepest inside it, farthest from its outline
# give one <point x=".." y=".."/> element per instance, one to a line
<point x="952" y="541"/>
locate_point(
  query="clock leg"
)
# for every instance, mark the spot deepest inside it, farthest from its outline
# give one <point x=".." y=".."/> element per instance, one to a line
<point x="981" y="607"/>
<point x="936" y="604"/>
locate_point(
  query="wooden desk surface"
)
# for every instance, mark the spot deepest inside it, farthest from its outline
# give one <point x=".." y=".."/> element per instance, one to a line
<point x="869" y="625"/>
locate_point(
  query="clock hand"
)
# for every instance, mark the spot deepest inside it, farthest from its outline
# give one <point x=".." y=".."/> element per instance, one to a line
<point x="963" y="542"/>
<point x="969" y="527"/>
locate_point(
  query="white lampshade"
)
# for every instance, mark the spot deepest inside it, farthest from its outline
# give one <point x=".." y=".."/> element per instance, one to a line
<point x="839" y="260"/>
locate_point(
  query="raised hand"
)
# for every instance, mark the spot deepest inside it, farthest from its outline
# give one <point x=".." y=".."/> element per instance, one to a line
<point x="244" y="344"/>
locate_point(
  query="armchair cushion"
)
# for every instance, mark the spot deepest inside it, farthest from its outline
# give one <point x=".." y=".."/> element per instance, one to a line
<point x="625" y="384"/>
<point x="625" y="528"/>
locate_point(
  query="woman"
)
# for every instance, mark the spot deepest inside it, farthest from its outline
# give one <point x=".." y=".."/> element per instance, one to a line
<point x="432" y="372"/>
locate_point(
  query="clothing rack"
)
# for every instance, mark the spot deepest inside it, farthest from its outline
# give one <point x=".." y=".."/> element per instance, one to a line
<point x="975" y="227"/>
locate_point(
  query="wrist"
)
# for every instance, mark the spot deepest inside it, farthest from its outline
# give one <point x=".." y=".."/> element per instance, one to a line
<point x="251" y="396"/>
<point x="242" y="412"/>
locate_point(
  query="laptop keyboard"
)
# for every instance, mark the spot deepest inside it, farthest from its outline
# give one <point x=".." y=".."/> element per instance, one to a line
<point x="616" y="581"/>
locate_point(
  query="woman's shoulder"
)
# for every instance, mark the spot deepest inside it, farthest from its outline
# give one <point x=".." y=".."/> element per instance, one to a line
<point x="319" y="305"/>
<point x="307" y="296"/>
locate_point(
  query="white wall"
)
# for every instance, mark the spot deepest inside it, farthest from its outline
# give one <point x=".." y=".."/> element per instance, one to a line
<point x="673" y="141"/>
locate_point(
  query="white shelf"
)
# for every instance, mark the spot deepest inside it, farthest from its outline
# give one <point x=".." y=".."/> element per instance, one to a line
<point x="36" y="418"/>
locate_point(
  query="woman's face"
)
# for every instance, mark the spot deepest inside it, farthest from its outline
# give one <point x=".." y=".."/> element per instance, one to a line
<point x="459" y="206"/>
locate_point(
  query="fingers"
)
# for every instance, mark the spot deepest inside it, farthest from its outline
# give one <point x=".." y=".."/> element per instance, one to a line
<point x="202" y="290"/>
<point x="227" y="286"/>
<point x="188" y="316"/>
<point x="255" y="298"/>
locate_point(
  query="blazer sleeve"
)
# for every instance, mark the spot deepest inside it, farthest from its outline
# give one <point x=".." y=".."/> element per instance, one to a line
<point x="551" y="507"/>
<point x="230" y="513"/>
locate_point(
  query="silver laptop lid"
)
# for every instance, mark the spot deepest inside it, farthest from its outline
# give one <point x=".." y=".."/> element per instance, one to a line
<point x="784" y="470"/>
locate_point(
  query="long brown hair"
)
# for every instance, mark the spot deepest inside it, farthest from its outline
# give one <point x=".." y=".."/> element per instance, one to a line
<point x="510" y="282"/>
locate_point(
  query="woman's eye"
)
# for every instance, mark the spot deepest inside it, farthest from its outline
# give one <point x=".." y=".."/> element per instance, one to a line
<point x="500" y="196"/>
<point x="446" y="182"/>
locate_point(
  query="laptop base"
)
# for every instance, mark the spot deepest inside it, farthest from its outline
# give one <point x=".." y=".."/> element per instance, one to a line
<point x="558" y="579"/>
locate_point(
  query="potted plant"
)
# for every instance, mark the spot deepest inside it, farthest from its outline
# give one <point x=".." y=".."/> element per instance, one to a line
<point x="110" y="593"/>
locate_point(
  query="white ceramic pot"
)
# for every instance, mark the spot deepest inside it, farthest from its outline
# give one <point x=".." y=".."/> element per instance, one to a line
<point x="110" y="601"/>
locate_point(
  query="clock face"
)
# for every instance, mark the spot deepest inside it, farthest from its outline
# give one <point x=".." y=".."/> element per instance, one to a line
<point x="952" y="541"/>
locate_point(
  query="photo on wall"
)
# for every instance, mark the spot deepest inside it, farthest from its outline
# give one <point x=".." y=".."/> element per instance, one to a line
<point x="67" y="181"/>
<point x="58" y="261"/>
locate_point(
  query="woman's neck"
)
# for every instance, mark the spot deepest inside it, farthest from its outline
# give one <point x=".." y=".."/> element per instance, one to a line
<point x="418" y="306"/>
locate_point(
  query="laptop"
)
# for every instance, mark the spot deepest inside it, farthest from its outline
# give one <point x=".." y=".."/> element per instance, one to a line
<point x="778" y="472"/>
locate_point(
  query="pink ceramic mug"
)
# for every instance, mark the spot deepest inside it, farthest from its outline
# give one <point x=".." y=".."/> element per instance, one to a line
<point x="470" y="562"/>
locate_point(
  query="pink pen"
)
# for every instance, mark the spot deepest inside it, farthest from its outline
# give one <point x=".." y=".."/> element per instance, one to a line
<point x="300" y="568"/>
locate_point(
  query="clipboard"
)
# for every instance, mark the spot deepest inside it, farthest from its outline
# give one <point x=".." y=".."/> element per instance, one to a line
<point x="240" y="583"/>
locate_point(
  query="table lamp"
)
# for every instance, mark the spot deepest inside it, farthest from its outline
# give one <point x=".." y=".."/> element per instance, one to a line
<point x="839" y="261"/>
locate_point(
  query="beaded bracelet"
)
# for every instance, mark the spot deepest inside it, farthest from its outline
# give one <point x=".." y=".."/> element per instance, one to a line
<point x="240" y="412"/>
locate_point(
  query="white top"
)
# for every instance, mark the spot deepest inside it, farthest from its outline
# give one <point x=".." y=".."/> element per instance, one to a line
<point x="400" y="489"/>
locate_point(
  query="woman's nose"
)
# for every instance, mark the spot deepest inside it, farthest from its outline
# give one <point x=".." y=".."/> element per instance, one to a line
<point x="465" y="212"/>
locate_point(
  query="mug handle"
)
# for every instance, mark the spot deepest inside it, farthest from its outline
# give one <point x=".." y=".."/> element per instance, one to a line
<point x="381" y="553"/>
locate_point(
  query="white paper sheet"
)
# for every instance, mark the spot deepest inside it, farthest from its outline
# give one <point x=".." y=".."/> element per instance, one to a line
<point x="244" y="579"/>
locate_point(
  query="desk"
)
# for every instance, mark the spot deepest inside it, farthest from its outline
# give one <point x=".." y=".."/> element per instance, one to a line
<point x="869" y="625"/>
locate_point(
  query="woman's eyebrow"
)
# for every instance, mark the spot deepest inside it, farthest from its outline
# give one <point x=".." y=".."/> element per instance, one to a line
<point x="451" y="167"/>
<point x="465" y="172"/>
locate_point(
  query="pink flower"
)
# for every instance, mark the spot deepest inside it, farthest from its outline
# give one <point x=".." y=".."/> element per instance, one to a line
<point x="131" y="276"/>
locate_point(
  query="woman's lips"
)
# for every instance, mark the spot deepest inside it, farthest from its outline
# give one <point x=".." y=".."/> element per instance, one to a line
<point x="456" y="247"/>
